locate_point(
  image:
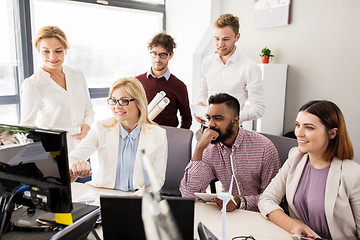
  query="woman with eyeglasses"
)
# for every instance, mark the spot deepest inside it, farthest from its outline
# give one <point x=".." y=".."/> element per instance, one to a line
<point x="56" y="96"/>
<point x="119" y="141"/>
<point x="319" y="179"/>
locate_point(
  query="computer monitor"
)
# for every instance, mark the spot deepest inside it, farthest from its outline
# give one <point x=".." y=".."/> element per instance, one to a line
<point x="34" y="164"/>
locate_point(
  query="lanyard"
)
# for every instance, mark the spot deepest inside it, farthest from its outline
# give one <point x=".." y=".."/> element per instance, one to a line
<point x="233" y="172"/>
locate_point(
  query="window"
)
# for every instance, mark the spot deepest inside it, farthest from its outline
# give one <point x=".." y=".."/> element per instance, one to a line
<point x="107" y="41"/>
<point x="9" y="97"/>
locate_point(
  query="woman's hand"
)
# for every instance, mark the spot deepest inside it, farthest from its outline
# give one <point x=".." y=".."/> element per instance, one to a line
<point x="300" y="229"/>
<point x="292" y="226"/>
<point x="80" y="169"/>
<point x="84" y="131"/>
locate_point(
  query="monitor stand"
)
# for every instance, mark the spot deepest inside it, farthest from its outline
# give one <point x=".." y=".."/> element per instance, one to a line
<point x="24" y="219"/>
<point x="27" y="227"/>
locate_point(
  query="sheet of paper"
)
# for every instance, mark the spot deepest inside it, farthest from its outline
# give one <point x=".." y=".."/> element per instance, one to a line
<point x="200" y="111"/>
<point x="92" y="196"/>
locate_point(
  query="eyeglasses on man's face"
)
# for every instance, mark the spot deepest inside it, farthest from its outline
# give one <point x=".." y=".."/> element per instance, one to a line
<point x="244" y="238"/>
<point x="161" y="55"/>
<point x="121" y="102"/>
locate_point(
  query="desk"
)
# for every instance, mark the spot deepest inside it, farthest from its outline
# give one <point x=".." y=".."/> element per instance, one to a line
<point x="80" y="189"/>
<point x="239" y="222"/>
<point x="86" y="192"/>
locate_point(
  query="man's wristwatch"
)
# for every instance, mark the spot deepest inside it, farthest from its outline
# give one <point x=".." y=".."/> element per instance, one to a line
<point x="242" y="204"/>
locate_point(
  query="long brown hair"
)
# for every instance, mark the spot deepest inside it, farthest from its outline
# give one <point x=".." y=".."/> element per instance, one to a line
<point x="331" y="117"/>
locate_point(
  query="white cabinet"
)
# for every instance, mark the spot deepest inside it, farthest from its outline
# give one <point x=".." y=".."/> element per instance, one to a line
<point x="272" y="122"/>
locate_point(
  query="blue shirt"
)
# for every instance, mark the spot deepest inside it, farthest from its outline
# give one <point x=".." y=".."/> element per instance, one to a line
<point x="128" y="144"/>
<point x="166" y="74"/>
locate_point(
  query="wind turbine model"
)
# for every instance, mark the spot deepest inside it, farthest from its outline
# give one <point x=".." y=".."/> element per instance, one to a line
<point x="225" y="197"/>
<point x="159" y="223"/>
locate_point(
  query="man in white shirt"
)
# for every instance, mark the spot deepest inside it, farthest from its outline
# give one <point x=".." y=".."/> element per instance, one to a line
<point x="232" y="72"/>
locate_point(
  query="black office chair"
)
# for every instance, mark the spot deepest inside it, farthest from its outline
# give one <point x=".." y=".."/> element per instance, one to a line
<point x="179" y="155"/>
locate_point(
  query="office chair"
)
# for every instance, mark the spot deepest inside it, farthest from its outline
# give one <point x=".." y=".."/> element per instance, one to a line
<point x="282" y="144"/>
<point x="179" y="155"/>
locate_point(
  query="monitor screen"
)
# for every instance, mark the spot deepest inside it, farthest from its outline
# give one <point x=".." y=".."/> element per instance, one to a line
<point x="34" y="164"/>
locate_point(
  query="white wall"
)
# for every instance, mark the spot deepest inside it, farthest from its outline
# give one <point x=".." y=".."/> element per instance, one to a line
<point x="189" y="22"/>
<point x="321" y="46"/>
<point x="186" y="24"/>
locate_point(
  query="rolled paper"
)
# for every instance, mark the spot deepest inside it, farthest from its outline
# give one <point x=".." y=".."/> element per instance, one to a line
<point x="164" y="102"/>
<point x="156" y="100"/>
<point x="159" y="108"/>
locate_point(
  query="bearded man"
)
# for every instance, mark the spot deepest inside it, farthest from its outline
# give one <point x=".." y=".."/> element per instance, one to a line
<point x="226" y="150"/>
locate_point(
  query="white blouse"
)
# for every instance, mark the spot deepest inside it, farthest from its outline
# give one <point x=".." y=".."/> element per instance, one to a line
<point x="45" y="104"/>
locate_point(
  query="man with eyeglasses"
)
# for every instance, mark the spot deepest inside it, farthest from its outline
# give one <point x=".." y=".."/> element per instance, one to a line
<point x="159" y="78"/>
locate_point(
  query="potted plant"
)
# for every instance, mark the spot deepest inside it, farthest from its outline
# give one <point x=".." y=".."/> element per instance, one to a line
<point x="265" y="55"/>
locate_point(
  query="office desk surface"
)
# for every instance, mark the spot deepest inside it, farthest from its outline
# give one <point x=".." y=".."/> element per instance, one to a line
<point x="79" y="190"/>
<point x="239" y="222"/>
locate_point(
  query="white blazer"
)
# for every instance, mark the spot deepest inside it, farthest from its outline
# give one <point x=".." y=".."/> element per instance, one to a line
<point x="342" y="193"/>
<point x="106" y="141"/>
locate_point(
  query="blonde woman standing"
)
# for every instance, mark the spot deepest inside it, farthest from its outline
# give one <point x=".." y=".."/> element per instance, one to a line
<point x="56" y="96"/>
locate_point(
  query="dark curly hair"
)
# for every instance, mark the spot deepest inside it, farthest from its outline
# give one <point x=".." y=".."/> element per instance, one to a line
<point x="164" y="40"/>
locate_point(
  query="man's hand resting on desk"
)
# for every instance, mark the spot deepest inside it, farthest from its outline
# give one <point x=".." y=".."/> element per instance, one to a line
<point x="80" y="169"/>
<point x="231" y="206"/>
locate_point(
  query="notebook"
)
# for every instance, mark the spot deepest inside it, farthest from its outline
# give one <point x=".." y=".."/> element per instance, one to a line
<point x="121" y="217"/>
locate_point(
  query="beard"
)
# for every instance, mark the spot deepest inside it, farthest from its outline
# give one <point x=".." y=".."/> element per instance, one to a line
<point x="222" y="54"/>
<point x="223" y="137"/>
<point x="159" y="68"/>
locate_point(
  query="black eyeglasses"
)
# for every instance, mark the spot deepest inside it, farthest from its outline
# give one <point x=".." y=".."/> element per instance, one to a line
<point x="121" y="102"/>
<point x="244" y="238"/>
<point x="161" y="55"/>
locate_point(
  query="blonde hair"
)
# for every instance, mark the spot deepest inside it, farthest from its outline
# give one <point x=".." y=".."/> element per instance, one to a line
<point x="135" y="89"/>
<point x="51" y="32"/>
